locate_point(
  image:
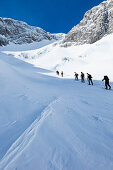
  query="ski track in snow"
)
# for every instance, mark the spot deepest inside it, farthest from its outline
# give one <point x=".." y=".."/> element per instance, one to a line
<point x="27" y="137"/>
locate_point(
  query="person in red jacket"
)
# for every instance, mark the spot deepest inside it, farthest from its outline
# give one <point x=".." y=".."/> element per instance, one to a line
<point x="82" y="77"/>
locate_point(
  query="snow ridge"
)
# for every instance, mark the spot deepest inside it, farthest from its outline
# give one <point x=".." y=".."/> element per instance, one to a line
<point x="26" y="138"/>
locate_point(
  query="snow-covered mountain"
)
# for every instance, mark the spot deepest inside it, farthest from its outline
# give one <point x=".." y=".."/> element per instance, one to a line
<point x="49" y="122"/>
<point x="95" y="24"/>
<point x="19" y="32"/>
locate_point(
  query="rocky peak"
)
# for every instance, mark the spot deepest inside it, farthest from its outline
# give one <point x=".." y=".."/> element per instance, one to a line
<point x="95" y="24"/>
<point x="20" y="32"/>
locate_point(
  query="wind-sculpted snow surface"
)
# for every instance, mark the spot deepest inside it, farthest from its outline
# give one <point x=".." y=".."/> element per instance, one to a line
<point x="48" y="123"/>
<point x="95" y="24"/>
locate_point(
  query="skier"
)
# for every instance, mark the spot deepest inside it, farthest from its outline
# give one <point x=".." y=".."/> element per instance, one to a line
<point x="57" y="72"/>
<point x="76" y="76"/>
<point x="106" y="82"/>
<point x="82" y="77"/>
<point x="89" y="78"/>
<point x="62" y="73"/>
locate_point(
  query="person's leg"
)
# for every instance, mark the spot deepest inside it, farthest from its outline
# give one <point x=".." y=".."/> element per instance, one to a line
<point x="106" y="86"/>
<point x="91" y="82"/>
<point x="109" y="86"/>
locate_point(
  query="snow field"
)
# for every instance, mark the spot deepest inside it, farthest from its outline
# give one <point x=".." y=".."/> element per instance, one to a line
<point x="49" y="123"/>
<point x="96" y="59"/>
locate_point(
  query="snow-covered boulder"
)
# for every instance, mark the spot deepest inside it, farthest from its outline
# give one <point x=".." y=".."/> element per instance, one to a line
<point x="95" y="24"/>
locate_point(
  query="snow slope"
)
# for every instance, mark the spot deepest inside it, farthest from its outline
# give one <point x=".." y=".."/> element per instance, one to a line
<point x="24" y="47"/>
<point x="96" y="58"/>
<point x="48" y="123"/>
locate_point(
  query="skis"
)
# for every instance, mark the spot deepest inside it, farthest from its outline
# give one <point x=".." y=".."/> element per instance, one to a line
<point x="106" y="89"/>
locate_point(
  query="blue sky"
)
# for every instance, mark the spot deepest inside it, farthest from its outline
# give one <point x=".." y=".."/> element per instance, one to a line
<point x="52" y="15"/>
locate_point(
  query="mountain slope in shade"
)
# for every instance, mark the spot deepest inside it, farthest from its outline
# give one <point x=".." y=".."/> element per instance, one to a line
<point x="19" y="32"/>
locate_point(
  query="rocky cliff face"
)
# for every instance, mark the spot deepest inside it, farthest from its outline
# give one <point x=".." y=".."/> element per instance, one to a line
<point x="19" y="32"/>
<point x="95" y="24"/>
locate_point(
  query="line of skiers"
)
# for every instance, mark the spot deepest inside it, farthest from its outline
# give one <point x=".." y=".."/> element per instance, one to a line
<point x="89" y="78"/>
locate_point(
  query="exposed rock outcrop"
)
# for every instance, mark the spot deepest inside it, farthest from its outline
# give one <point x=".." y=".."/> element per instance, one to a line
<point x="95" y="24"/>
<point x="20" y="32"/>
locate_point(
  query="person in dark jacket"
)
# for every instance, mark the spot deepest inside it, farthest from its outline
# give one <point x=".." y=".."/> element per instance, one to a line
<point x="57" y="72"/>
<point x="106" y="82"/>
<point x="62" y="73"/>
<point x="89" y="78"/>
<point x="76" y="76"/>
<point x="82" y="77"/>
